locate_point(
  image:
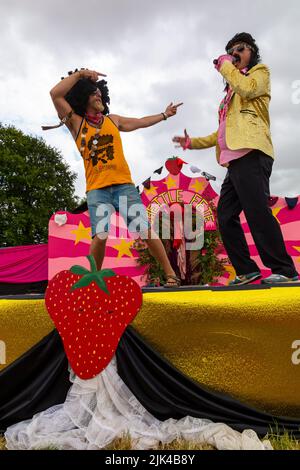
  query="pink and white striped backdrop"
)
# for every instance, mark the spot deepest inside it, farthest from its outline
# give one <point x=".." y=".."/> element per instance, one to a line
<point x="69" y="243"/>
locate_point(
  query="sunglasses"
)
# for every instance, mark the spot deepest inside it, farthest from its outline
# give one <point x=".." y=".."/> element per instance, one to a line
<point x="97" y="92"/>
<point x="239" y="48"/>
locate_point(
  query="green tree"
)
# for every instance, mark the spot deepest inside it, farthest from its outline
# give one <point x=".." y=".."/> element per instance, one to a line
<point x="35" y="182"/>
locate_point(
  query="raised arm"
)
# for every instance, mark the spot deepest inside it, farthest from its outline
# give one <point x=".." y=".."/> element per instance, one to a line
<point x="126" y="124"/>
<point x="62" y="107"/>
<point x="249" y="86"/>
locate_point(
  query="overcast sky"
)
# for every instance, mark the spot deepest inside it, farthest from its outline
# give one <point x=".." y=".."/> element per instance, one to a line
<point x="153" y="52"/>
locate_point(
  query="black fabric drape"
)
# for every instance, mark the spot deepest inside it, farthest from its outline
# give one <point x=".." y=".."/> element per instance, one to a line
<point x="9" y="288"/>
<point x="82" y="208"/>
<point x="34" y="382"/>
<point x="167" y="393"/>
<point x="40" y="379"/>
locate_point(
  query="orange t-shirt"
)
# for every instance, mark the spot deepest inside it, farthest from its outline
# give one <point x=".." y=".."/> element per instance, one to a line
<point x="108" y="166"/>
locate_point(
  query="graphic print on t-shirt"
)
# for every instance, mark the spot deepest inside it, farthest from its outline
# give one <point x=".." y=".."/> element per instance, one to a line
<point x="104" y="151"/>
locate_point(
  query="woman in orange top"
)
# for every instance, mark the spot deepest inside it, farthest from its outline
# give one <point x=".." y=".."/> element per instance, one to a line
<point x="82" y="104"/>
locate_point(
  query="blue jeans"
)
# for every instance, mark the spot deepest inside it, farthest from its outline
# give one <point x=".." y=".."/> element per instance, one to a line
<point x="123" y="198"/>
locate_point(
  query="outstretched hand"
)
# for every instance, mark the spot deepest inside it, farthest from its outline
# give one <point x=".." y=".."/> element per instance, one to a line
<point x="183" y="142"/>
<point x="171" y="110"/>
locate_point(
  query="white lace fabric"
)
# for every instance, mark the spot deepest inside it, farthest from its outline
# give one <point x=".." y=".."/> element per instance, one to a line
<point x="99" y="410"/>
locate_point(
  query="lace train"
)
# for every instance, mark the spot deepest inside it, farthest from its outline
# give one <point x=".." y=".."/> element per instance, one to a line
<point x="101" y="409"/>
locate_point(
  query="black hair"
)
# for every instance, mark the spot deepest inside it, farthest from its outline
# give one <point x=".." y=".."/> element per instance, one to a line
<point x="247" y="39"/>
<point x="79" y="94"/>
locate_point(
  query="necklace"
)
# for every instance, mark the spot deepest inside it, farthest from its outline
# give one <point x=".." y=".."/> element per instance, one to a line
<point x="93" y="143"/>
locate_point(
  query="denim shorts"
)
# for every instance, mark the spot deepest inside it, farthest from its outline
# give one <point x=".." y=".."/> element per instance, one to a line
<point x="122" y="198"/>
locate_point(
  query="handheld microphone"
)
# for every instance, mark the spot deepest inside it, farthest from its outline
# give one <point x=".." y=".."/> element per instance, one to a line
<point x="235" y="59"/>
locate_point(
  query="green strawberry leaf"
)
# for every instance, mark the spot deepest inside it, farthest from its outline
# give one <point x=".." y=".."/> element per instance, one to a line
<point x="84" y="281"/>
<point x="101" y="283"/>
<point x="92" y="263"/>
<point x="107" y="273"/>
<point x="76" y="269"/>
<point x="91" y="276"/>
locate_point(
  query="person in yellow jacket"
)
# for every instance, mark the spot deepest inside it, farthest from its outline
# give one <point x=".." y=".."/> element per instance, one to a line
<point x="244" y="146"/>
<point x="82" y="103"/>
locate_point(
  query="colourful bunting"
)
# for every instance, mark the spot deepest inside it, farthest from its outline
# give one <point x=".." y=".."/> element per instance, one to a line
<point x="208" y="176"/>
<point x="195" y="169"/>
<point x="272" y="201"/>
<point x="147" y="183"/>
<point x="291" y="202"/>
<point x="159" y="170"/>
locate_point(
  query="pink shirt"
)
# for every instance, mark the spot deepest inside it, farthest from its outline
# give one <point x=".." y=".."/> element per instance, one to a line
<point x="226" y="154"/>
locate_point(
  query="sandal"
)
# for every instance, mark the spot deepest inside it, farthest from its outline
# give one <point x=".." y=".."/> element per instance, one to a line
<point x="177" y="282"/>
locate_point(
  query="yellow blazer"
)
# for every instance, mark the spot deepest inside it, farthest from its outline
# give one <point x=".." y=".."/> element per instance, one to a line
<point x="247" y="119"/>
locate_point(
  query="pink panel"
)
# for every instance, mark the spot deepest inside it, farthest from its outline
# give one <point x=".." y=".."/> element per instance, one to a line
<point x="64" y="252"/>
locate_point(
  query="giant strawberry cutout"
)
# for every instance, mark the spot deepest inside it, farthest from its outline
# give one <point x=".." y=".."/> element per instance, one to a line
<point x="174" y="165"/>
<point x="91" y="310"/>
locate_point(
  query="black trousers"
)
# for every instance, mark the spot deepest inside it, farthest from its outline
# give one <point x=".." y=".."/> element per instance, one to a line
<point x="246" y="188"/>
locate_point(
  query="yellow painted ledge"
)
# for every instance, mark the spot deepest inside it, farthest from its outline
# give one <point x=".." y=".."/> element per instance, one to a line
<point x="236" y="342"/>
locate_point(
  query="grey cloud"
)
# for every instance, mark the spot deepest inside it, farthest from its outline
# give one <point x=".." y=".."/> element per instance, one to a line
<point x="156" y="52"/>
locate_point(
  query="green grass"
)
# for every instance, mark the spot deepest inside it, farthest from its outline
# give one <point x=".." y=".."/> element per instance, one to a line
<point x="284" y="442"/>
<point x="124" y="443"/>
<point x="279" y="442"/>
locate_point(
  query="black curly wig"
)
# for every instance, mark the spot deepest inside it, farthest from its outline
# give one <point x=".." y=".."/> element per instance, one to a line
<point x="79" y="95"/>
<point x="247" y="39"/>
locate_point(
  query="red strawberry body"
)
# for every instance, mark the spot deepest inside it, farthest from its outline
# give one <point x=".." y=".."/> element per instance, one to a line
<point x="92" y="317"/>
<point x="174" y="165"/>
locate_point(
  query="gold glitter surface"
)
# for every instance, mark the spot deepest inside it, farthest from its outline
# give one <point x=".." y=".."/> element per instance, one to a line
<point x="236" y="342"/>
<point x="23" y="323"/>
